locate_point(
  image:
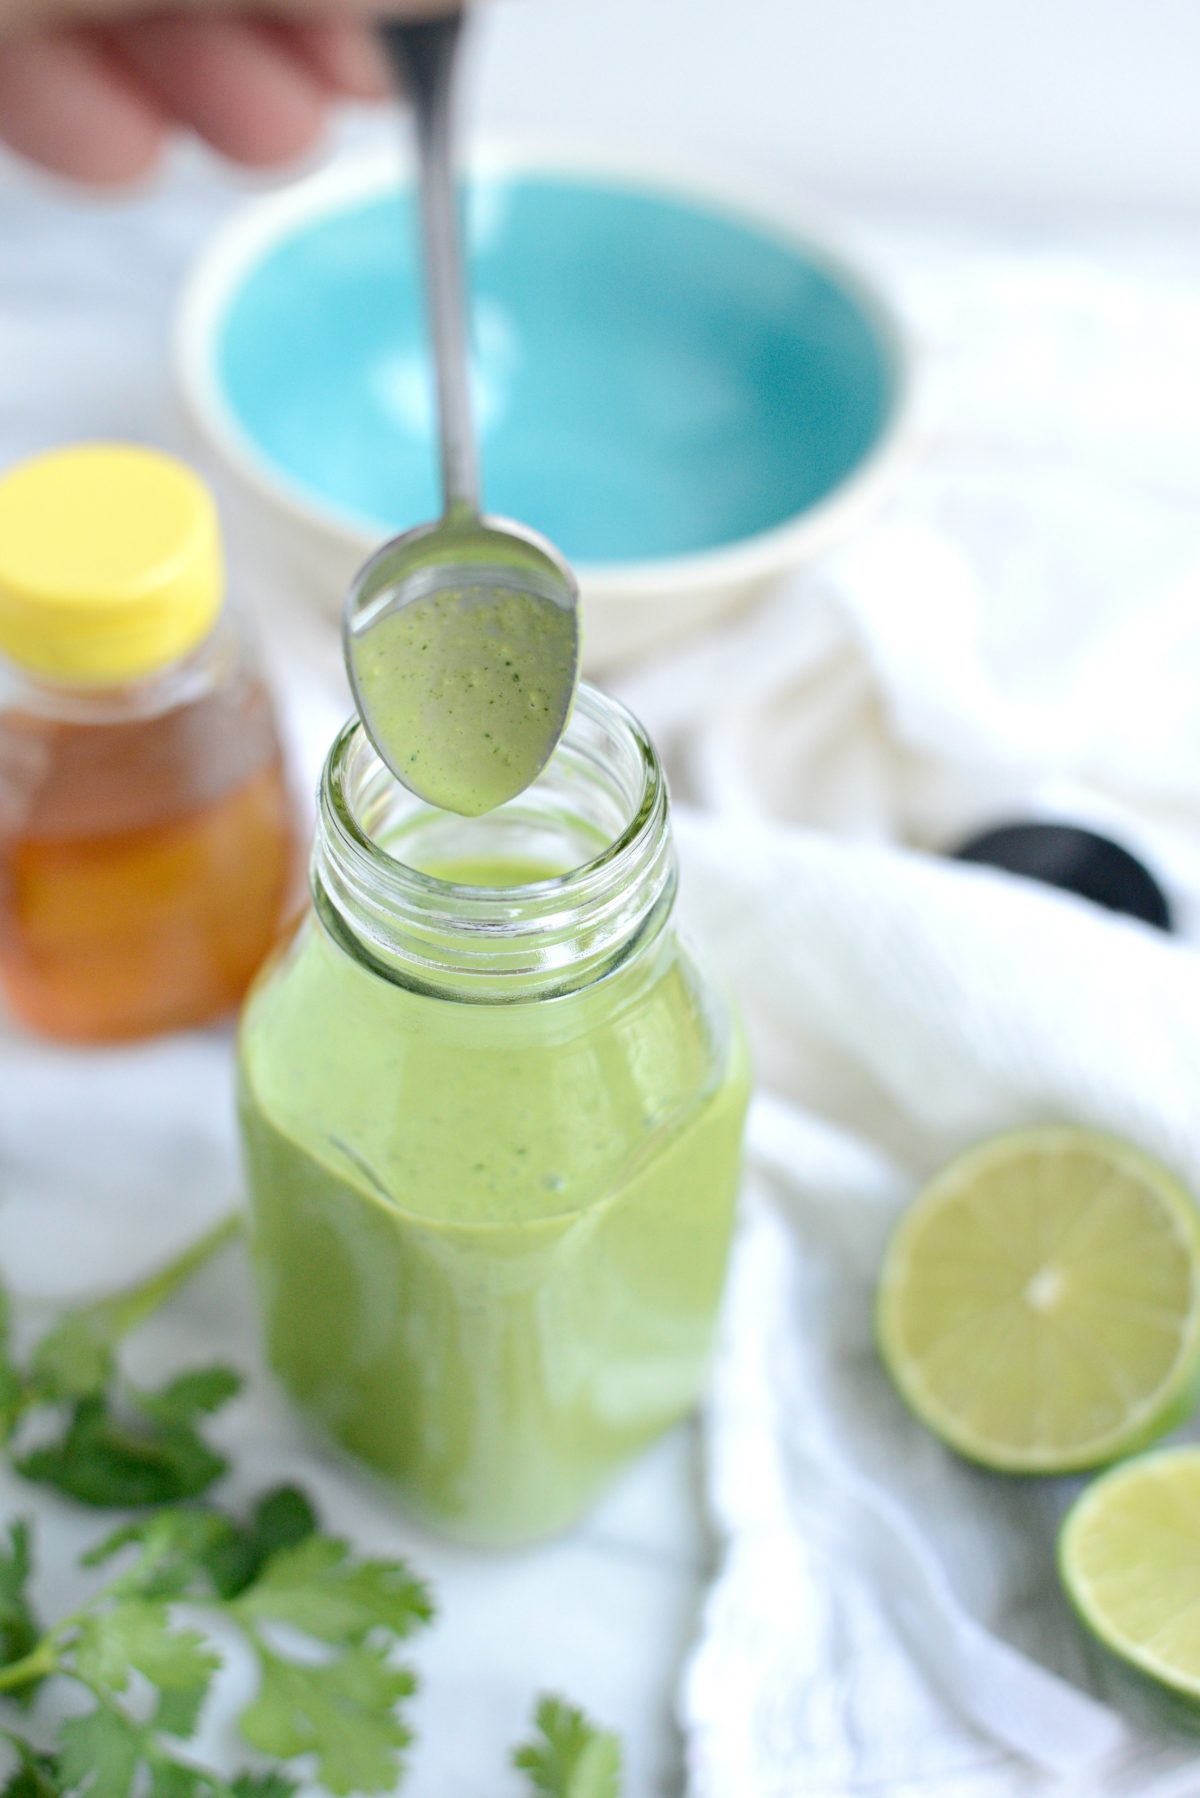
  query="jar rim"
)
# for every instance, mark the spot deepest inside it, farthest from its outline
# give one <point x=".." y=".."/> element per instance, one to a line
<point x="589" y="700"/>
<point x="558" y="923"/>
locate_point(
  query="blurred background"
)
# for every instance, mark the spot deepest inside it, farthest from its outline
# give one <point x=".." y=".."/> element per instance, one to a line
<point x="1019" y="185"/>
<point x="1040" y="116"/>
<point x="1009" y="623"/>
<point x="1025" y="110"/>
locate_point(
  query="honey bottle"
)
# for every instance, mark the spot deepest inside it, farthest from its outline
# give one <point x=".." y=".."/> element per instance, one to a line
<point x="148" y="845"/>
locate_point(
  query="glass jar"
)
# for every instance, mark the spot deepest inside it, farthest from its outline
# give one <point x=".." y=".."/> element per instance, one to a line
<point x="492" y="1114"/>
<point x="148" y="848"/>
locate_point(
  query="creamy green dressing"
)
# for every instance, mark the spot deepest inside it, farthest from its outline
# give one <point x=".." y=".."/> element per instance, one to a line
<point x="465" y="692"/>
<point x="490" y="1239"/>
<point x="496" y="872"/>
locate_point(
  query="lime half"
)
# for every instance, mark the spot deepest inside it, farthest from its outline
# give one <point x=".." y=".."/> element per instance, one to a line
<point x="1039" y="1306"/>
<point x="1129" y="1556"/>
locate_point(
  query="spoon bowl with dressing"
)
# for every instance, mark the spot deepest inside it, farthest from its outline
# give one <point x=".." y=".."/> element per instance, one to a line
<point x="461" y="637"/>
<point x="463" y="652"/>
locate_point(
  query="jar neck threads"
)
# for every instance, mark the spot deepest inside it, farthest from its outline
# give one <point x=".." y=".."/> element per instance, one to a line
<point x="599" y="812"/>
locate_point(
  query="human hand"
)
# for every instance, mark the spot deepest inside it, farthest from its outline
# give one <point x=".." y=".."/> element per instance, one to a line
<point x="92" y="89"/>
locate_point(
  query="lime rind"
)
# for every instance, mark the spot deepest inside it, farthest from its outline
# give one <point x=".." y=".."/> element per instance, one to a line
<point x="1161" y="1409"/>
<point x="1132" y="1655"/>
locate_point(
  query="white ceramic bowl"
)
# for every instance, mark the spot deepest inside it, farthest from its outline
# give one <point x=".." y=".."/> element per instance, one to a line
<point x="685" y="388"/>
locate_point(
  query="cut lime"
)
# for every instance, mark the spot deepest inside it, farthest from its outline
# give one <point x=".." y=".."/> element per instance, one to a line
<point x="1039" y="1306"/>
<point x="1129" y="1556"/>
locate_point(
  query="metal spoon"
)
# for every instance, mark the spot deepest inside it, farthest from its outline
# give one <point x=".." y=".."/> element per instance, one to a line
<point x="467" y="623"/>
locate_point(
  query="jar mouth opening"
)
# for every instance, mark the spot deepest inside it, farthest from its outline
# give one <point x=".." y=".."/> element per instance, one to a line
<point x="356" y="786"/>
<point x="583" y="865"/>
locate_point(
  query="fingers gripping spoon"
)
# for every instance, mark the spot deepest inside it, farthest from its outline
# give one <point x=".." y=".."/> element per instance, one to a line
<point x="461" y="636"/>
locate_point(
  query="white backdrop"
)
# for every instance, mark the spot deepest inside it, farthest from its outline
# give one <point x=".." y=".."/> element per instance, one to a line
<point x="954" y="103"/>
<point x="1021" y="110"/>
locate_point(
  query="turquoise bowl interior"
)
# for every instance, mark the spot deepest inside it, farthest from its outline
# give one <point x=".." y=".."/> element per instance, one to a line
<point x="653" y="377"/>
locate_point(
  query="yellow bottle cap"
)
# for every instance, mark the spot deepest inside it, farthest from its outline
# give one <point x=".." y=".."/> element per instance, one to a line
<point x="110" y="562"/>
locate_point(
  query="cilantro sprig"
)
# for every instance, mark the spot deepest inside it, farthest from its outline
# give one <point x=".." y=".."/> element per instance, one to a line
<point x="19" y="1628"/>
<point x="322" y="1623"/>
<point x="71" y="1418"/>
<point x="570" y="1757"/>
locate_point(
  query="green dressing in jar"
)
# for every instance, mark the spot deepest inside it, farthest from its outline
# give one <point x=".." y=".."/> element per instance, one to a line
<point x="492" y="1114"/>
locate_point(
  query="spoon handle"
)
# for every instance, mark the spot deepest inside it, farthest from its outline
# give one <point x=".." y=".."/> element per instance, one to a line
<point x="423" y="53"/>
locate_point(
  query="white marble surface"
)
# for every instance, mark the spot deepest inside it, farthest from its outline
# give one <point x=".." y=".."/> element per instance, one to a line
<point x="604" y="1614"/>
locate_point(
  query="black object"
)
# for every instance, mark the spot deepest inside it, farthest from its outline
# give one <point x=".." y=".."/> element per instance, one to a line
<point x="1079" y="861"/>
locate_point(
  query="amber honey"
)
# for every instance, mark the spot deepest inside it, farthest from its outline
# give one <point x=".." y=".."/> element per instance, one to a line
<point x="146" y="865"/>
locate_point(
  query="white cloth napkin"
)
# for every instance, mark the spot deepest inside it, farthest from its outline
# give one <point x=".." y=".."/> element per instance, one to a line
<point x="885" y="1618"/>
<point x="1020" y="637"/>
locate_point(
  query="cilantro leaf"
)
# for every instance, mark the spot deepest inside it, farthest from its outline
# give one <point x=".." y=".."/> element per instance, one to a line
<point x="573" y="1759"/>
<point x="12" y="1400"/>
<point x="115" y="1444"/>
<point x="100" y="1753"/>
<point x="175" y="1779"/>
<point x="187" y="1550"/>
<point x="342" y="1712"/>
<point x="19" y="1630"/>
<point x="12" y="1383"/>
<point x="139" y="1637"/>
<point x="340" y="1708"/>
<point x="322" y="1589"/>
<point x="282" y="1518"/>
<point x="197" y="1393"/>
<point x="35" y="1774"/>
<point x="128" y="1756"/>
<point x="173" y="1547"/>
<point x="34" y="1778"/>
<point x="263" y="1785"/>
<point x="107" y="1460"/>
<point x="75" y="1360"/>
<point x="108" y="1753"/>
<point x="178" y="1712"/>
